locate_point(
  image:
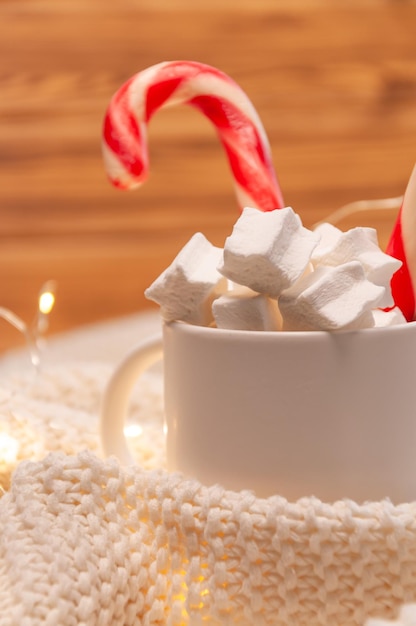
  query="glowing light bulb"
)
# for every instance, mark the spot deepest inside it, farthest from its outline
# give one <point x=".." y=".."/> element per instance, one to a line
<point x="46" y="302"/>
<point x="9" y="449"/>
<point x="133" y="430"/>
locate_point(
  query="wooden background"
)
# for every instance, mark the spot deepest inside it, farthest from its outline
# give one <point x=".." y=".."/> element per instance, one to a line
<point x="333" y="81"/>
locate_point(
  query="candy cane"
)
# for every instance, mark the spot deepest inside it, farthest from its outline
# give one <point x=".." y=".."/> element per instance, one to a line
<point x="402" y="246"/>
<point x="219" y="98"/>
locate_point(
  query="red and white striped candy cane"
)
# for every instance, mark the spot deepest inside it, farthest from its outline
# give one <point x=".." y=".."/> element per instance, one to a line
<point x="402" y="246"/>
<point x="219" y="98"/>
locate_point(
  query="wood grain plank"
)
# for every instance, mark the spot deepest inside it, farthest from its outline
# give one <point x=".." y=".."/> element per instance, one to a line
<point x="334" y="83"/>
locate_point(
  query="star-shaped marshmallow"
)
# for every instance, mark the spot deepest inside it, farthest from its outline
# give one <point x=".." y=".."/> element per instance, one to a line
<point x="358" y="244"/>
<point x="186" y="289"/>
<point x="267" y="251"/>
<point x="331" y="298"/>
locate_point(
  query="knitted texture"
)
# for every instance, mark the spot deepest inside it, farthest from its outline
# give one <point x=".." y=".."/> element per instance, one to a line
<point x="58" y="409"/>
<point x="86" y="542"/>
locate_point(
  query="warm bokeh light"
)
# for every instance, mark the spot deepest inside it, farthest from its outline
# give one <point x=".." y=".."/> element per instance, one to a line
<point x="9" y="448"/>
<point x="46" y="302"/>
<point x="133" y="430"/>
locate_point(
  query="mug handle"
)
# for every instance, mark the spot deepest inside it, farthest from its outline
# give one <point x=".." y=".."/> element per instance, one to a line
<point x="116" y="398"/>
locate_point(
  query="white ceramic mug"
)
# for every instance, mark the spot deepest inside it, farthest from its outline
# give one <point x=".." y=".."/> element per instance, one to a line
<point x="290" y="413"/>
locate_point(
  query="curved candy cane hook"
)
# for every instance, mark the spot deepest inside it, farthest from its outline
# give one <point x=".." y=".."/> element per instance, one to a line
<point x="219" y="98"/>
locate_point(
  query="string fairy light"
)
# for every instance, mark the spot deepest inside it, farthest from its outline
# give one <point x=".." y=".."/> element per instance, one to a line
<point x="9" y="445"/>
<point x="34" y="334"/>
<point x="360" y="206"/>
<point x="46" y="303"/>
<point x="14" y="320"/>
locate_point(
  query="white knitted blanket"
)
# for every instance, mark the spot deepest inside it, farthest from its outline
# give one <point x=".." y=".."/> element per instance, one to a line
<point x="85" y="542"/>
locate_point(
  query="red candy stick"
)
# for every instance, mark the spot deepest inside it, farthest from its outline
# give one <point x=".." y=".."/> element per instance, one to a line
<point x="219" y="98"/>
<point x="402" y="246"/>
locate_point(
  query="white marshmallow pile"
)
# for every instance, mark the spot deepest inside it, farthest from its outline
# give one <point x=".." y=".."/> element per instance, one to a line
<point x="275" y="274"/>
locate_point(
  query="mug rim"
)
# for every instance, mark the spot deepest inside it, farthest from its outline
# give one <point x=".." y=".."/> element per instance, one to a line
<point x="272" y="335"/>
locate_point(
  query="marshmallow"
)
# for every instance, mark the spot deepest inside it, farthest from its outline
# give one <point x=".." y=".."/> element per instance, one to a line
<point x="267" y="251"/>
<point x="323" y="280"/>
<point x="358" y="244"/>
<point x="244" y="309"/>
<point x="388" y="318"/>
<point x="329" y="236"/>
<point x="186" y="289"/>
<point x="331" y="298"/>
